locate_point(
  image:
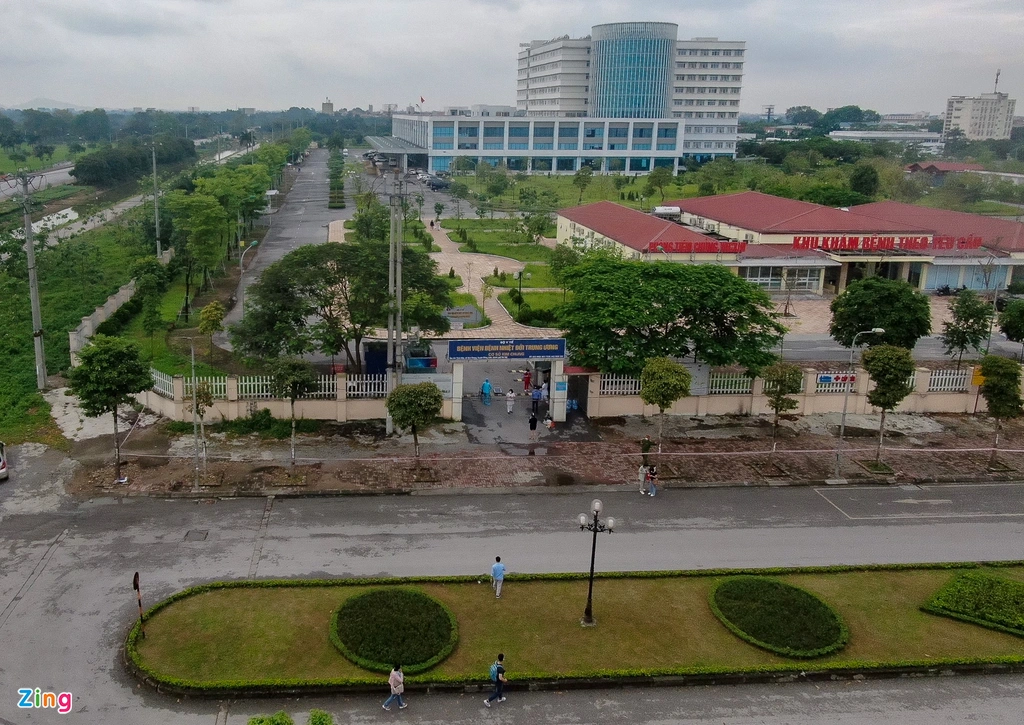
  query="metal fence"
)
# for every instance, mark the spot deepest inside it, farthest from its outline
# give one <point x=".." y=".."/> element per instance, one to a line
<point x="730" y="384"/>
<point x="367" y="386"/>
<point x="163" y="384"/>
<point x="619" y="385"/>
<point x="947" y="381"/>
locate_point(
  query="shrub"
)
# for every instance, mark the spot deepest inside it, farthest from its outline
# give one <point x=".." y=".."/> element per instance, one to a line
<point x="1016" y="287"/>
<point x="983" y="599"/>
<point x="320" y="717"/>
<point x="451" y="272"/>
<point x="778" y="617"/>
<point x="280" y="718"/>
<point x="383" y="627"/>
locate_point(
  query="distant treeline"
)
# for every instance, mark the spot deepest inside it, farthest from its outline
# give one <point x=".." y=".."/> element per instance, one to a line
<point x="113" y="165"/>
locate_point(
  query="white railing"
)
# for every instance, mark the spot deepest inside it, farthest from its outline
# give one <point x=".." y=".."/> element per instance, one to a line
<point x="218" y="387"/>
<point x="768" y="387"/>
<point x="821" y="387"/>
<point x="367" y="386"/>
<point x="947" y="381"/>
<point x="619" y="385"/>
<point x="163" y="384"/>
<point x="326" y="387"/>
<point x="730" y="384"/>
<point x="255" y="386"/>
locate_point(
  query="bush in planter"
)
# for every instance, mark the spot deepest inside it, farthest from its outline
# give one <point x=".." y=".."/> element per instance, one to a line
<point x="280" y="718"/>
<point x="778" y="617"/>
<point x="393" y="625"/>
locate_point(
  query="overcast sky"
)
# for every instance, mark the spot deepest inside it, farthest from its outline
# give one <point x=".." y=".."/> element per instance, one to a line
<point x="890" y="55"/>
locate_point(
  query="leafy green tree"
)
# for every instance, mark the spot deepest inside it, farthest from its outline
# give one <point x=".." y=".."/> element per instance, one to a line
<point x="151" y="320"/>
<point x="211" y="320"/>
<point x="420" y="201"/>
<point x="864" y="179"/>
<point x="893" y="305"/>
<point x="1001" y="390"/>
<point x="803" y="115"/>
<point x="414" y="406"/>
<point x="969" y="325"/>
<point x="658" y="179"/>
<point x="582" y="179"/>
<point x="438" y="210"/>
<point x="705" y="311"/>
<point x="1011" y="322"/>
<point x="110" y="373"/>
<point x="459" y="190"/>
<point x="278" y="718"/>
<point x="563" y="258"/>
<point x="781" y="380"/>
<point x="200" y="221"/>
<point x="890" y="368"/>
<point x="662" y="383"/>
<point x="292" y="379"/>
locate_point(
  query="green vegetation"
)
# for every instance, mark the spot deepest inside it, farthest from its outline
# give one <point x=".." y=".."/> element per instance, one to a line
<point x="390" y="626"/>
<point x="127" y="161"/>
<point x="336" y="177"/>
<point x="229" y="636"/>
<point x="414" y="406"/>
<point x="11" y="210"/>
<point x="261" y="422"/>
<point x="778" y="617"/>
<point x="981" y="598"/>
<point x="890" y="304"/>
<point x="31" y="162"/>
<point x="534" y="275"/>
<point x="537" y="309"/>
<point x="461" y="299"/>
<point x="662" y="383"/>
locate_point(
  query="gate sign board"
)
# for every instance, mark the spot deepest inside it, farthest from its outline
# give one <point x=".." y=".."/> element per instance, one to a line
<point x="834" y="378"/>
<point x="519" y="349"/>
<point x="465" y="315"/>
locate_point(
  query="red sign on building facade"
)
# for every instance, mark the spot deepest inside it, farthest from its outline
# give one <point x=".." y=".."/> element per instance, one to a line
<point x="881" y="243"/>
<point x="697" y="247"/>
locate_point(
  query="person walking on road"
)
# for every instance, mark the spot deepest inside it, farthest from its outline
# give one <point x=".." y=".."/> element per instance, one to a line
<point x="498" y="678"/>
<point x="641" y="476"/>
<point x="527" y="377"/>
<point x="533" y="426"/>
<point x="397" y="682"/>
<point x="485" y="391"/>
<point x="652" y="480"/>
<point x="535" y="397"/>
<point x="510" y="400"/>
<point x="497" y="576"/>
<point x="645" y="449"/>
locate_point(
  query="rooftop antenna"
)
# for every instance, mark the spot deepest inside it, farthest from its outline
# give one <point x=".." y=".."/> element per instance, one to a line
<point x="995" y="89"/>
<point x="768" y="111"/>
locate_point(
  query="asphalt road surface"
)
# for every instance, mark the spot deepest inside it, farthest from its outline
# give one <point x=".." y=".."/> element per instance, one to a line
<point x="66" y="599"/>
<point x="43" y="180"/>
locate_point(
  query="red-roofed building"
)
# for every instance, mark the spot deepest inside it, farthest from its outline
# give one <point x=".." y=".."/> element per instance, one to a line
<point x="941" y="167"/>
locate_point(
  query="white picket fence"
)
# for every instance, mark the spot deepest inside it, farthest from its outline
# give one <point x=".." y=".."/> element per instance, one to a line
<point x="948" y="381"/>
<point x="821" y="387"/>
<point x="730" y="384"/>
<point x="218" y="386"/>
<point x="252" y="387"/>
<point x="619" y="385"/>
<point x="367" y="386"/>
<point x="163" y="384"/>
<point x="326" y="388"/>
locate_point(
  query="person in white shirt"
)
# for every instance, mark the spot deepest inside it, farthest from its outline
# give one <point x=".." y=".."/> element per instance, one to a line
<point x="397" y="682"/>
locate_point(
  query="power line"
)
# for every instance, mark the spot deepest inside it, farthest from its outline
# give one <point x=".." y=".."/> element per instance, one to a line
<point x="33" y="282"/>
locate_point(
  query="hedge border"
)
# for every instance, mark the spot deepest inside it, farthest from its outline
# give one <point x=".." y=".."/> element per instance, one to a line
<point x="597" y="678"/>
<point x="409" y="669"/>
<point x="932" y="608"/>
<point x="844" y="631"/>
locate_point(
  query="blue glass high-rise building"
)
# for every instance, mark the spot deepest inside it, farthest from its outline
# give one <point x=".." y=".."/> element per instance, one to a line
<point x="631" y="70"/>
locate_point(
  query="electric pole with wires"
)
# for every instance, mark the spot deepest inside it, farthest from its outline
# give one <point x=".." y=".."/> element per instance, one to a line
<point x="33" y="280"/>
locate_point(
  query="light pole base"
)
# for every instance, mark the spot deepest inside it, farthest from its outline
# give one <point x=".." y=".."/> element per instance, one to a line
<point x="584" y="622"/>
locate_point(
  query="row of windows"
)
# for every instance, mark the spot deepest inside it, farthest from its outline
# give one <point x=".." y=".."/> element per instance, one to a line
<point x="701" y="102"/>
<point x="708" y="144"/>
<point x="564" y="130"/>
<point x="705" y="89"/>
<point x="694" y="77"/>
<point x="711" y="129"/>
<point x="710" y="114"/>
<point x="704" y="51"/>
<point x="736" y="66"/>
<point x="771" y="277"/>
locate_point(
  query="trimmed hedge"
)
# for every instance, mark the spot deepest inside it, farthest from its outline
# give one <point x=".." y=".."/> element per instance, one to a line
<point x="983" y="599"/>
<point x="778" y="617"/>
<point x="385" y="627"/>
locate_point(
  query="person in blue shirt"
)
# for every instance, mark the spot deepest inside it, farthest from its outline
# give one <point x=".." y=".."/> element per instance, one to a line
<point x="535" y="397"/>
<point x="497" y="576"/>
<point x="485" y="391"/>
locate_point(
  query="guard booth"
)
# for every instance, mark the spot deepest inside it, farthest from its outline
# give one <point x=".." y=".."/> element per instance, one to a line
<point x="535" y="350"/>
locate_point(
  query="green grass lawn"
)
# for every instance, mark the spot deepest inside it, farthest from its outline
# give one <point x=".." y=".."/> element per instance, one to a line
<point x="461" y="299"/>
<point x="33" y="163"/>
<point x="534" y="275"/>
<point x="500" y="224"/>
<point x="560" y="188"/>
<point x="536" y="300"/>
<point x="647" y="624"/>
<point x="938" y="200"/>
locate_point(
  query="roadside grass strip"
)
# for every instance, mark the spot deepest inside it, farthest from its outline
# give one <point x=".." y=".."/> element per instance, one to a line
<point x="984" y="599"/>
<point x="263" y="637"/>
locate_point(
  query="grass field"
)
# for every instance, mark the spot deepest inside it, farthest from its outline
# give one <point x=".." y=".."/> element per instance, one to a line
<point x="649" y="624"/>
<point x="991" y="208"/>
<point x="561" y="191"/>
<point x="534" y="275"/>
<point x="7" y="166"/>
<point x="536" y="300"/>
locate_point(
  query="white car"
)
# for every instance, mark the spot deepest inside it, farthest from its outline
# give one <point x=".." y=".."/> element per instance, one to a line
<point x="3" y="463"/>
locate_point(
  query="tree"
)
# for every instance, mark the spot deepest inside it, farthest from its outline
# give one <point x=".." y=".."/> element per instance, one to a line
<point x="414" y="406"/>
<point x="613" y="324"/>
<point x="292" y="379"/>
<point x="662" y="383"/>
<point x="211" y="320"/>
<point x="890" y="368"/>
<point x="1001" y="390"/>
<point x="781" y="380"/>
<point x="582" y="179"/>
<point x="864" y="179"/>
<point x="803" y="115"/>
<point x="659" y="178"/>
<point x="438" y="210"/>
<point x="563" y="258"/>
<point x="1011" y="322"/>
<point x="969" y="326"/>
<point x="110" y="373"/>
<point x="893" y="305"/>
<point x="420" y="201"/>
<point x="203" y="402"/>
<point x="151" y="320"/>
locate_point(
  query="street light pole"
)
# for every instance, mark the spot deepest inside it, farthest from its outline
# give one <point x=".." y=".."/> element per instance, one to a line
<point x="156" y="206"/>
<point x="846" y="396"/>
<point x="596" y="527"/>
<point x="241" y="271"/>
<point x="195" y="413"/>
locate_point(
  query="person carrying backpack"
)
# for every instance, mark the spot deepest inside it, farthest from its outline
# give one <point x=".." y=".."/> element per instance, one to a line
<point x="497" y="674"/>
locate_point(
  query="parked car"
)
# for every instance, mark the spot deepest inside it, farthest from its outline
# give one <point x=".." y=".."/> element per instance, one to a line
<point x="434" y="183"/>
<point x="3" y="463"/>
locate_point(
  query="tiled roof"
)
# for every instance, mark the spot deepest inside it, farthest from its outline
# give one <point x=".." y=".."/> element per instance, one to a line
<point x="995" y="233"/>
<point x="943" y="166"/>
<point x="630" y="227"/>
<point x="776" y="215"/>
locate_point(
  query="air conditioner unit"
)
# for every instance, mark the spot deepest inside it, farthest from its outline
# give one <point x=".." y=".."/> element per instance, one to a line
<point x="748" y="237"/>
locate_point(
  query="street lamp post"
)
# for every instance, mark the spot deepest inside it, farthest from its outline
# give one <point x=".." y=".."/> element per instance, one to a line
<point x="519" y="276"/>
<point x="241" y="271"/>
<point x="195" y="412"/>
<point x="597" y="527"/>
<point x="846" y="396"/>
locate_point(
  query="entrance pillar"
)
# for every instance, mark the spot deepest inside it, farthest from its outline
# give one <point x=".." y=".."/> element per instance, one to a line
<point x="558" y="391"/>
<point x="905" y="271"/>
<point x="457" y="391"/>
<point x="843" y="272"/>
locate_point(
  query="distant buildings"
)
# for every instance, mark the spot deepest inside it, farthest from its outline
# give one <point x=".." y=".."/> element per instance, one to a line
<point x="988" y="116"/>
<point x="327" y="107"/>
<point x="928" y="142"/>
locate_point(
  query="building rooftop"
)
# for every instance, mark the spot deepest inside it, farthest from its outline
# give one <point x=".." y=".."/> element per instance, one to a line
<point x="999" y="234"/>
<point x="942" y="167"/>
<point x="632" y="228"/>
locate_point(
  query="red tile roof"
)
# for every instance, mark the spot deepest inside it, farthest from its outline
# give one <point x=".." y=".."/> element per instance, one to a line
<point x="995" y="233"/>
<point x="776" y="215"/>
<point x="630" y="227"/>
<point x="943" y="166"/>
<point x="776" y="251"/>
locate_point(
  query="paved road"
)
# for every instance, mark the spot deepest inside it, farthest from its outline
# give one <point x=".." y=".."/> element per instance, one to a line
<point x="44" y="180"/>
<point x="66" y="600"/>
<point x="822" y="347"/>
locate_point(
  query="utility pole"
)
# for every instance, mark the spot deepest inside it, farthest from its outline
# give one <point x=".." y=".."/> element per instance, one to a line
<point x="769" y="110"/>
<point x="33" y="286"/>
<point x="156" y="206"/>
<point x="395" y="293"/>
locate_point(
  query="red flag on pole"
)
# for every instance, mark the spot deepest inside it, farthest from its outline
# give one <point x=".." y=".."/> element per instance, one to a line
<point x="422" y="99"/>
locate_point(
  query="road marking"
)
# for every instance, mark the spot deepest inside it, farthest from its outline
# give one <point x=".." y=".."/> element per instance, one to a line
<point x="257" y="550"/>
<point x="32" y="577"/>
<point x="932" y="501"/>
<point x="921" y="512"/>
